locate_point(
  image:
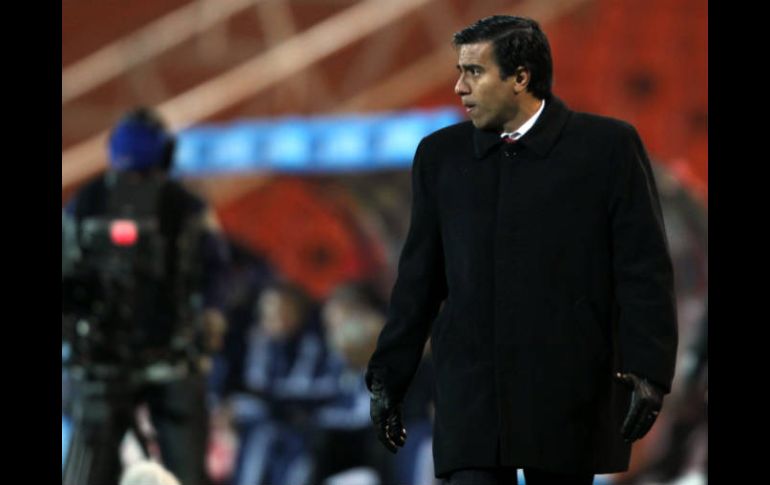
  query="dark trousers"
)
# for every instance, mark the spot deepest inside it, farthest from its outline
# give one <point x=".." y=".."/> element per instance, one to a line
<point x="507" y="476"/>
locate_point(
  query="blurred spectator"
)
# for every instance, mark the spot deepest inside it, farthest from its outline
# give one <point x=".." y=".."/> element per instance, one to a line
<point x="346" y="444"/>
<point x="278" y="388"/>
<point x="246" y="277"/>
<point x="695" y="362"/>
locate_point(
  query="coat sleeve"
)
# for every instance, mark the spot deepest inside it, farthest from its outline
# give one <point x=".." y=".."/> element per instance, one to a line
<point x="418" y="292"/>
<point x="642" y="266"/>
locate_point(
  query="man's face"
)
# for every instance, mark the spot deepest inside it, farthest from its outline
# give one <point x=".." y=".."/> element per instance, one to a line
<point x="489" y="101"/>
<point x="278" y="315"/>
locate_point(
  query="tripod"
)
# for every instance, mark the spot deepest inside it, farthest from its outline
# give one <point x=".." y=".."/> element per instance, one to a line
<point x="103" y="410"/>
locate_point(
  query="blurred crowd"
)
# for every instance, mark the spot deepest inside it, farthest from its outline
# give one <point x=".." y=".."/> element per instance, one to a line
<point x="287" y="395"/>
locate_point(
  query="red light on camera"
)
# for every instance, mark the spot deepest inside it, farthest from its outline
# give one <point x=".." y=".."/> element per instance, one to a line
<point x="124" y="232"/>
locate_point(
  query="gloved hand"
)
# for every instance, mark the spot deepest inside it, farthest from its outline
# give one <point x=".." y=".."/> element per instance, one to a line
<point x="646" y="402"/>
<point x="387" y="419"/>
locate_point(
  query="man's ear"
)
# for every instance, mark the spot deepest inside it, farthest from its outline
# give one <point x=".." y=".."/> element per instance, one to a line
<point x="520" y="79"/>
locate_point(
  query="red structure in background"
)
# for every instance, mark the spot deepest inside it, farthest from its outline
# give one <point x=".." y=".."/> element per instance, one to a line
<point x="312" y="238"/>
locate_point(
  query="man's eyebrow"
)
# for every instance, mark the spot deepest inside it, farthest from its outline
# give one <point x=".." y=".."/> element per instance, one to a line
<point x="467" y="67"/>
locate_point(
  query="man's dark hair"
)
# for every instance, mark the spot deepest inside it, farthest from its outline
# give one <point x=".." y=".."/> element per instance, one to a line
<point x="360" y="293"/>
<point x="517" y="41"/>
<point x="298" y="297"/>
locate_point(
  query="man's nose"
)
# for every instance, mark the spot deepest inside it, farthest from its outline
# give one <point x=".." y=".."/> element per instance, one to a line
<point x="461" y="87"/>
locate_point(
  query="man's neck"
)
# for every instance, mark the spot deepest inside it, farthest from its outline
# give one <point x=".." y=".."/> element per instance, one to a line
<point x="527" y="109"/>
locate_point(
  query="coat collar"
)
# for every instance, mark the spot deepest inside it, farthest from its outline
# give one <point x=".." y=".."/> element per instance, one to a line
<point x="540" y="138"/>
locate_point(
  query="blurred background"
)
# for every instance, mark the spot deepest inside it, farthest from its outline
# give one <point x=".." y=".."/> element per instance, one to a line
<point x="297" y="121"/>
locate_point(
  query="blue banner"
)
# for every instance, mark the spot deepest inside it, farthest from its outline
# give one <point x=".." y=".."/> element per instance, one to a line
<point x="324" y="144"/>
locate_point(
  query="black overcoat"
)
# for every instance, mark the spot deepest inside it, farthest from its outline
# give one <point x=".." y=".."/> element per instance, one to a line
<point x="551" y="261"/>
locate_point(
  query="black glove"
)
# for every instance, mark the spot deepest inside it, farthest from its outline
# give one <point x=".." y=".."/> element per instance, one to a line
<point x="386" y="416"/>
<point x="646" y="402"/>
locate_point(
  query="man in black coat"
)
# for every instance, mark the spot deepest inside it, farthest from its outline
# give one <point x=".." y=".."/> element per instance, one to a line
<point x="540" y="230"/>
